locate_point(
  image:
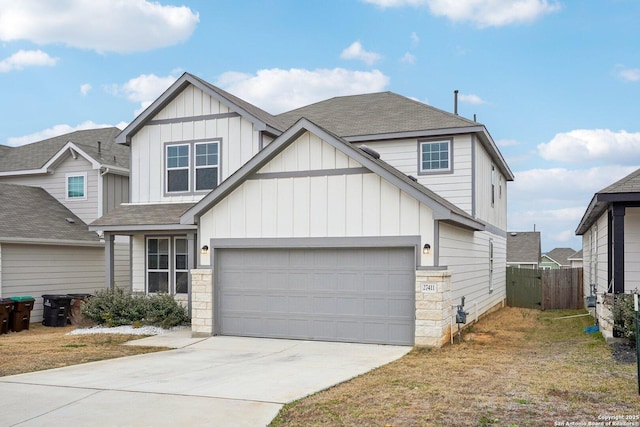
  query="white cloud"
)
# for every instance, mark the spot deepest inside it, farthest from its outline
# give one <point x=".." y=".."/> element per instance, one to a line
<point x="143" y="89"/>
<point x="555" y="200"/>
<point x="356" y="51"/>
<point x="507" y="142"/>
<point x="415" y="39"/>
<point x="100" y="25"/>
<point x="276" y="90"/>
<point x="57" y="130"/>
<point x="627" y="74"/>
<point x="27" y="58"/>
<point x="408" y="58"/>
<point x="483" y="13"/>
<point x="85" y="89"/>
<point x="588" y="145"/>
<point x="471" y="99"/>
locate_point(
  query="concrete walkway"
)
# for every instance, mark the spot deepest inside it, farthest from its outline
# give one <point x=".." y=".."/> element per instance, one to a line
<point x="217" y="381"/>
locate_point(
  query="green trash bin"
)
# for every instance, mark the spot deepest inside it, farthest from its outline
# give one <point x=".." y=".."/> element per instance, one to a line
<point x="21" y="314"/>
<point x="6" y="307"/>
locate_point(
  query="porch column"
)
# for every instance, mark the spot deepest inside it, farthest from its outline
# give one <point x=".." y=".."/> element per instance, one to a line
<point x="191" y="257"/>
<point x="109" y="260"/>
<point x="617" y="248"/>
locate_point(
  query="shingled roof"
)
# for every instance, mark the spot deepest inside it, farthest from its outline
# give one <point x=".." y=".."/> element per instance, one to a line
<point x="560" y="256"/>
<point x="523" y="247"/>
<point x="37" y="154"/>
<point x="626" y="189"/>
<point x="375" y="113"/>
<point x="128" y="217"/>
<point x="31" y="215"/>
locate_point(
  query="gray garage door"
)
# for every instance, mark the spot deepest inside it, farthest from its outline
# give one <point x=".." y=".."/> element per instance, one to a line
<point x="352" y="295"/>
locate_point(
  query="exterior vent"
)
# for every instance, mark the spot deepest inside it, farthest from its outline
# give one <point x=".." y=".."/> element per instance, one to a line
<point x="412" y="178"/>
<point x="370" y="151"/>
<point x="70" y="220"/>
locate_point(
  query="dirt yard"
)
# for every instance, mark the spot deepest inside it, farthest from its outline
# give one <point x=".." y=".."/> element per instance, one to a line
<point x="516" y="367"/>
<point x="43" y="347"/>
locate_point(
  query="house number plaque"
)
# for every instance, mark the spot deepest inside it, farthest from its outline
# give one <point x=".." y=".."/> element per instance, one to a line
<point x="429" y="288"/>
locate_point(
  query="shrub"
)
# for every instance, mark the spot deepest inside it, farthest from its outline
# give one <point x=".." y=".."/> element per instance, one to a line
<point x="624" y="316"/>
<point x="114" y="307"/>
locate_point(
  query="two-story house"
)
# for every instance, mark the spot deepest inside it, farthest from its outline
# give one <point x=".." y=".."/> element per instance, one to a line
<point x="50" y="190"/>
<point x="361" y="218"/>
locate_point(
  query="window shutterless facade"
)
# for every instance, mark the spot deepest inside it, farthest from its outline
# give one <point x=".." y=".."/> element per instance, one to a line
<point x="76" y="186"/>
<point x="435" y="156"/>
<point x="167" y="265"/>
<point x="192" y="167"/>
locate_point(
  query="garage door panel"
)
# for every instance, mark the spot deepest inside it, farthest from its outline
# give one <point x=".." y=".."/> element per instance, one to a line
<point x="353" y="295"/>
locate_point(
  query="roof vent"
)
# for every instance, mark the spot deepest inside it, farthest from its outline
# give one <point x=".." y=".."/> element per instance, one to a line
<point x="70" y="220"/>
<point x="370" y="151"/>
<point x="514" y="234"/>
<point x="412" y="178"/>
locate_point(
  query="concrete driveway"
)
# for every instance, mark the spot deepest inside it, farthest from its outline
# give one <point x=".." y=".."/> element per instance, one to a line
<point x="218" y="381"/>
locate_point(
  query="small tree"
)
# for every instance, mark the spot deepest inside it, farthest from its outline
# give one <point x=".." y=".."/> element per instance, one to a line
<point x="624" y="316"/>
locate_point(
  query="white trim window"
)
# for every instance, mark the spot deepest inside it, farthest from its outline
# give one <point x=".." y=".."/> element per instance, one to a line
<point x="76" y="186"/>
<point x="435" y="156"/>
<point x="158" y="264"/>
<point x="167" y="265"/>
<point x="206" y="165"/>
<point x="177" y="164"/>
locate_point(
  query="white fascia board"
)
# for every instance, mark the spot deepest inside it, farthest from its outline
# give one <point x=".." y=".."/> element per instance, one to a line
<point x="72" y="148"/>
<point x="137" y="228"/>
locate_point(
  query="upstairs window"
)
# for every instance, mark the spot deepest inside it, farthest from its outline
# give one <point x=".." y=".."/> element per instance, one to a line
<point x="76" y="186"/>
<point x="192" y="167"/>
<point x="178" y="168"/>
<point x="206" y="166"/>
<point x="435" y="156"/>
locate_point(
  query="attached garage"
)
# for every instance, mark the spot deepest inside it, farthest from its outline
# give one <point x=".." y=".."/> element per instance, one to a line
<point x="331" y="294"/>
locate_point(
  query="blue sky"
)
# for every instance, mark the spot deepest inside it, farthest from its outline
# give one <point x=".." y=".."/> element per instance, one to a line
<point x="556" y="82"/>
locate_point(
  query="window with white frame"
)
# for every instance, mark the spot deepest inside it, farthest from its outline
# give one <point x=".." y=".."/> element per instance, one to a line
<point x="178" y="168"/>
<point x="76" y="186"/>
<point x="158" y="264"/>
<point x="167" y="265"/>
<point x="435" y="156"/>
<point x="192" y="167"/>
<point x="490" y="265"/>
<point x="206" y="175"/>
<point x="493" y="185"/>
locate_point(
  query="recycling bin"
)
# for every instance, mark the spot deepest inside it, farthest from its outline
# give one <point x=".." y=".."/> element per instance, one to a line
<point x="21" y="314"/>
<point x="55" y="310"/>
<point x="6" y="307"/>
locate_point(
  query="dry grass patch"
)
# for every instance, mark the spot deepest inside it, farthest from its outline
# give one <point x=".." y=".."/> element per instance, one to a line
<point x="43" y="347"/>
<point x="516" y="367"/>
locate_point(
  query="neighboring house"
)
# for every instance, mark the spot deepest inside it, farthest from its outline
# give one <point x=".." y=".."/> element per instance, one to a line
<point x="575" y="260"/>
<point x="45" y="248"/>
<point x="610" y="230"/>
<point x="85" y="171"/>
<point x="287" y="227"/>
<point x="523" y="249"/>
<point x="556" y="258"/>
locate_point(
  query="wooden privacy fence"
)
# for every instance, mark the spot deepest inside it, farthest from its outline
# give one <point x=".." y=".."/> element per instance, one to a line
<point x="545" y="289"/>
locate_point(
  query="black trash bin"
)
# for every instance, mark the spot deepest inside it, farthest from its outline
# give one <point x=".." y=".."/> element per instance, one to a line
<point x="56" y="310"/>
<point x="21" y="314"/>
<point x="75" y="312"/>
<point x="6" y="307"/>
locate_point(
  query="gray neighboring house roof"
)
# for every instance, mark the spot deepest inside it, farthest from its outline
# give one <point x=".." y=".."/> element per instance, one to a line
<point x="142" y="217"/>
<point x="36" y="155"/>
<point x="577" y="256"/>
<point x="387" y="115"/>
<point x="523" y="247"/>
<point x="31" y="215"/>
<point x="560" y="255"/>
<point x="443" y="209"/>
<point x="625" y="190"/>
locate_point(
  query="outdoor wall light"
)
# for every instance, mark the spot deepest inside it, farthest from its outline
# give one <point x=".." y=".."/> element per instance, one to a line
<point x="204" y="250"/>
<point x="426" y="249"/>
